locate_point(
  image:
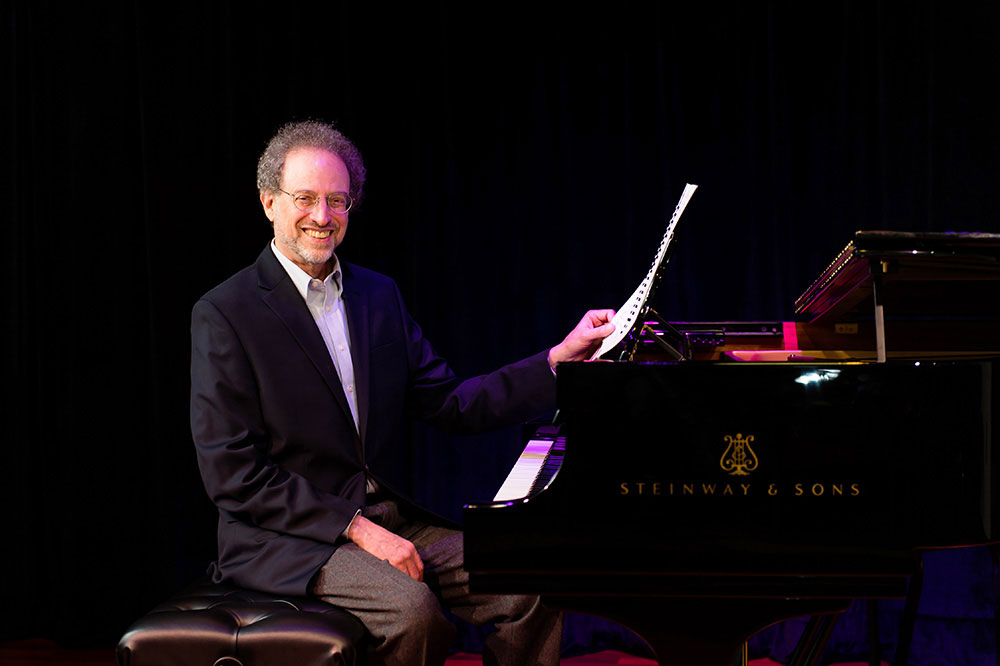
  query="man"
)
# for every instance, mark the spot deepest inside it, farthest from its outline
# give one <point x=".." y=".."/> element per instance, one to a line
<point x="304" y="373"/>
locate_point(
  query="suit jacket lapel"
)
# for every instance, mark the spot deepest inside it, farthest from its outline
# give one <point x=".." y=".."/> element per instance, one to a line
<point x="279" y="294"/>
<point x="358" y="326"/>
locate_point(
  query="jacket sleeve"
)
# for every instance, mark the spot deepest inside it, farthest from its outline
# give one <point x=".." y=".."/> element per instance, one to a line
<point x="513" y="394"/>
<point x="233" y="442"/>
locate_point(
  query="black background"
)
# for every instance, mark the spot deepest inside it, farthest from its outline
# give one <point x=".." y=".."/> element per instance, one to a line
<point x="523" y="161"/>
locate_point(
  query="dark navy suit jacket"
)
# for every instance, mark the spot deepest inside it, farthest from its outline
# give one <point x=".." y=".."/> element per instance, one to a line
<point x="276" y="444"/>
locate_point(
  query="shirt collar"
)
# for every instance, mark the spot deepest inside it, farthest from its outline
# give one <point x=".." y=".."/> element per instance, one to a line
<point x="301" y="279"/>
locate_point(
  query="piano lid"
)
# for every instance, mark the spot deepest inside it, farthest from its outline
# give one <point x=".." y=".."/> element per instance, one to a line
<point x="925" y="274"/>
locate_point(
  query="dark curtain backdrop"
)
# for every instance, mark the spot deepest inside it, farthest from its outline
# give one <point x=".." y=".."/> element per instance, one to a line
<point x="523" y="161"/>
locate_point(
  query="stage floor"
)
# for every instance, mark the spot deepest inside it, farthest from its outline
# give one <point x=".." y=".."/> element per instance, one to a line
<point x="45" y="653"/>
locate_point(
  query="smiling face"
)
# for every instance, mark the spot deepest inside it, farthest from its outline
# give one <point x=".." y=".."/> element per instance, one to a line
<point x="308" y="238"/>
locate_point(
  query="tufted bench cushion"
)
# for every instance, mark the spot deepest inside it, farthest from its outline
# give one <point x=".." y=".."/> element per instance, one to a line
<point x="218" y="625"/>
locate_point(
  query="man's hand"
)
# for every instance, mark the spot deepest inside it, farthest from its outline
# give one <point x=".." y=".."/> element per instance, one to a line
<point x="385" y="545"/>
<point x="583" y="340"/>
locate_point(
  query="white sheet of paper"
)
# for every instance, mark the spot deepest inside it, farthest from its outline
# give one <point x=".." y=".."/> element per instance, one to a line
<point x="625" y="317"/>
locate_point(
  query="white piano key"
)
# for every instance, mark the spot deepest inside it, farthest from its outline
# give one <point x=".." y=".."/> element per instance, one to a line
<point x="525" y="470"/>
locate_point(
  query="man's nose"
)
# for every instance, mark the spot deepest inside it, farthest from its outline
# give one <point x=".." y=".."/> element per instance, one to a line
<point x="320" y="214"/>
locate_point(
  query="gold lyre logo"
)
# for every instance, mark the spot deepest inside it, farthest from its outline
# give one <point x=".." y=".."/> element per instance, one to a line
<point x="738" y="458"/>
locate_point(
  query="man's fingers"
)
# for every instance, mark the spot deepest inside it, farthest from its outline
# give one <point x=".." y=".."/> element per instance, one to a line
<point x="592" y="335"/>
<point x="418" y="573"/>
<point x="593" y="327"/>
<point x="598" y="317"/>
<point x="408" y="561"/>
<point x="602" y="331"/>
<point x="383" y="544"/>
<point x="412" y="566"/>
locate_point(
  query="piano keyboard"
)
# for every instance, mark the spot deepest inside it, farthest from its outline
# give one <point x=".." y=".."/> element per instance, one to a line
<point x="535" y="467"/>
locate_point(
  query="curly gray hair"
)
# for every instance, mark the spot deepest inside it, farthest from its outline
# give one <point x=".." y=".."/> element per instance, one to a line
<point x="313" y="134"/>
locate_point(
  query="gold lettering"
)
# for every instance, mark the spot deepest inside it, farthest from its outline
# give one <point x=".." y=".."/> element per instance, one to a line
<point x="671" y="488"/>
<point x="640" y="485"/>
<point x="798" y="490"/>
<point x="855" y="490"/>
<point x="657" y="490"/>
<point x="837" y="489"/>
<point x="624" y="488"/>
<point x="688" y="488"/>
<point x="708" y="489"/>
<point x="728" y="490"/>
<point x="746" y="488"/>
<point x="818" y="493"/>
<point x="772" y="490"/>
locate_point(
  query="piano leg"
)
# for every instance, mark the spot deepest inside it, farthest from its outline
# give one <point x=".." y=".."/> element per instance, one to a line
<point x="743" y="656"/>
<point x="871" y="619"/>
<point x="909" y="619"/>
<point x="995" y="552"/>
<point x="813" y="640"/>
<point x="696" y="631"/>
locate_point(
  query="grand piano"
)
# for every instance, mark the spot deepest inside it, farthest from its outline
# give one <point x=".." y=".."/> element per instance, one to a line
<point x="734" y="474"/>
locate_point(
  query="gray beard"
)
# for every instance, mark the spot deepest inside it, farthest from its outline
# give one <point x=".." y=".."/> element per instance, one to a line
<point x="312" y="257"/>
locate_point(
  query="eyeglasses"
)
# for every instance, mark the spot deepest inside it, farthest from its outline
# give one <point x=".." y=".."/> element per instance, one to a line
<point x="338" y="202"/>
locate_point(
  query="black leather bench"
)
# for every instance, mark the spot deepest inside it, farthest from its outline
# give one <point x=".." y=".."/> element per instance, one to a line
<point x="219" y="625"/>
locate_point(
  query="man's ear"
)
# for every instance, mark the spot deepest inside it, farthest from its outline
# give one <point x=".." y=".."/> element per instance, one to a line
<point x="267" y="201"/>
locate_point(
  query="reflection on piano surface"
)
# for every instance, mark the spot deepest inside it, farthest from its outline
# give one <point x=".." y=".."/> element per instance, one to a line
<point x="741" y="493"/>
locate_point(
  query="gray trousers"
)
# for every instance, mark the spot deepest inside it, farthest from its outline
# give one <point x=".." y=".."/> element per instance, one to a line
<point x="404" y="616"/>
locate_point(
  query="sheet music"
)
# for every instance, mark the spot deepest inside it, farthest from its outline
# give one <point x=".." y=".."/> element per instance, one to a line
<point x="626" y="315"/>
